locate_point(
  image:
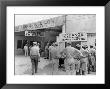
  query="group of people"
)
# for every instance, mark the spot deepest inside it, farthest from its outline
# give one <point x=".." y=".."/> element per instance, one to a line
<point x="79" y="61"/>
<point x="27" y="49"/>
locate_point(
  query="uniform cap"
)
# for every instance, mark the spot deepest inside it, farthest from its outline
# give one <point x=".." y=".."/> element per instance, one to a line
<point x="35" y="43"/>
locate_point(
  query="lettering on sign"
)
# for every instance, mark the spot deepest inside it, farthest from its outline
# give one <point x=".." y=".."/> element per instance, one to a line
<point x="30" y="33"/>
<point x="39" y="25"/>
<point x="34" y="33"/>
<point x="74" y="36"/>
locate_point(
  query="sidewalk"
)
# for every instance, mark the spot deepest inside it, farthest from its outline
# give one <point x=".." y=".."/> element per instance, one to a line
<point x="23" y="67"/>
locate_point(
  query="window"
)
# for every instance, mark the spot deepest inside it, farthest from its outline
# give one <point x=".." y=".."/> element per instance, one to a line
<point x="19" y="44"/>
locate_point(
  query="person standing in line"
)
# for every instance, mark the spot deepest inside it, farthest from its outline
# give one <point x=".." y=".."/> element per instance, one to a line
<point x="26" y="49"/>
<point x="50" y="50"/>
<point x="54" y="56"/>
<point x="47" y="51"/>
<point x="84" y="60"/>
<point x="35" y="57"/>
<point x="72" y="62"/>
<point x="92" y="53"/>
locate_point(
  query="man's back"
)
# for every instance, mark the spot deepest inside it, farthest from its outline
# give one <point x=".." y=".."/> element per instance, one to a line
<point x="34" y="50"/>
<point x="53" y="51"/>
<point x="85" y="53"/>
<point x="75" y="53"/>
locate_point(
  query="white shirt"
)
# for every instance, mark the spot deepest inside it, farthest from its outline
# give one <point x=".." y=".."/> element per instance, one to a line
<point x="34" y="50"/>
<point x="25" y="47"/>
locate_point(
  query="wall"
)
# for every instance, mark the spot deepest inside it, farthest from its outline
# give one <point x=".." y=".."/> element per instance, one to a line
<point x="80" y="23"/>
<point x="90" y="40"/>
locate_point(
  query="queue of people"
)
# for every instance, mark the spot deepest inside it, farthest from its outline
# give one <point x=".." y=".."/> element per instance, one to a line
<point x="76" y="61"/>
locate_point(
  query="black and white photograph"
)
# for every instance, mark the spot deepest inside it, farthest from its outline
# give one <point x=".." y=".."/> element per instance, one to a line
<point x="55" y="44"/>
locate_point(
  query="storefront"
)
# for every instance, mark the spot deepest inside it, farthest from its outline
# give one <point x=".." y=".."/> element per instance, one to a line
<point x="50" y="30"/>
<point x="43" y="32"/>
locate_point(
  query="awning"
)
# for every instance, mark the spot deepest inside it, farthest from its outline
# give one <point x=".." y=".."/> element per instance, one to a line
<point x="48" y="23"/>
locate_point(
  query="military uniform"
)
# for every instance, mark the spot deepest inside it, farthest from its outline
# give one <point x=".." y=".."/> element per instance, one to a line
<point x="35" y="57"/>
<point x="84" y="61"/>
<point x="92" y="60"/>
<point x="53" y="55"/>
<point x="72" y="62"/>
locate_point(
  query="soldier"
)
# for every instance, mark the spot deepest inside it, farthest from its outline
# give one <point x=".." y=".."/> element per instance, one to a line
<point x="72" y="62"/>
<point x="35" y="57"/>
<point x="62" y="57"/>
<point x="54" y="56"/>
<point x="84" y="60"/>
<point x="92" y="54"/>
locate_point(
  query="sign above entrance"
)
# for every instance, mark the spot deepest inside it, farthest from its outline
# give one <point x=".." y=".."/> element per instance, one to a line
<point x="34" y="33"/>
<point x="48" y="23"/>
<point x="30" y="33"/>
<point x="81" y="36"/>
<point x="39" y="25"/>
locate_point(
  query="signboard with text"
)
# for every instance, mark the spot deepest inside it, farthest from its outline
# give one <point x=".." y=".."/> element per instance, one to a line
<point x="34" y="33"/>
<point x="81" y="36"/>
<point x="30" y="33"/>
<point x="38" y="25"/>
<point x="48" y="23"/>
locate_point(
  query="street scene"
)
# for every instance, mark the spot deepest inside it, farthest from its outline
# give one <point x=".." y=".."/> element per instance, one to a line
<point x="44" y="67"/>
<point x="55" y="44"/>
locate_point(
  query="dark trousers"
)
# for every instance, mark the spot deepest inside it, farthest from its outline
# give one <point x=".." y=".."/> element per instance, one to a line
<point x="61" y="62"/>
<point x="34" y="61"/>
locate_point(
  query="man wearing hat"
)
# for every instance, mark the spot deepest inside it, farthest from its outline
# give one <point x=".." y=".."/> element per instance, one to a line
<point x="84" y="61"/>
<point x="34" y="55"/>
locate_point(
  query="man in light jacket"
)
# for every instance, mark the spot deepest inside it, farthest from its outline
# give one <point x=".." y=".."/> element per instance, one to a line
<point x="35" y="57"/>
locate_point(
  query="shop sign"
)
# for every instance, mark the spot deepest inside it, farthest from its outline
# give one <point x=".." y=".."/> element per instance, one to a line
<point x="58" y="21"/>
<point x="81" y="36"/>
<point x="39" y="25"/>
<point x="34" y="33"/>
<point x="30" y="33"/>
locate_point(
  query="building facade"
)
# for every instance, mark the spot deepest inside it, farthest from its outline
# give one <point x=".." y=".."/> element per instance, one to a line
<point x="50" y="30"/>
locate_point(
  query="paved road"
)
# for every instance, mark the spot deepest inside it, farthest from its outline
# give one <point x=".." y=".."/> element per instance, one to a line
<point x="23" y="66"/>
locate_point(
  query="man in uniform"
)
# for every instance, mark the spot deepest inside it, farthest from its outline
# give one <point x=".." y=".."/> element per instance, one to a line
<point x="84" y="60"/>
<point x="72" y="62"/>
<point x="35" y="57"/>
<point x="53" y="52"/>
<point x="92" y="54"/>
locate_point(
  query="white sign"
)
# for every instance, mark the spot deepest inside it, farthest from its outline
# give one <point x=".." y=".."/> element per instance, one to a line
<point x="38" y="25"/>
<point x="29" y="33"/>
<point x="81" y="36"/>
